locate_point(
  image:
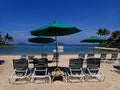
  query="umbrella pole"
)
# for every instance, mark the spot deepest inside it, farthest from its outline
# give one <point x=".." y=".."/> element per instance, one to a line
<point x="42" y="48"/>
<point x="56" y="51"/>
<point x="94" y="48"/>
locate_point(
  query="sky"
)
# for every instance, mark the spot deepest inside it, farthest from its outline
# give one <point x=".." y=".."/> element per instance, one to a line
<point x="19" y="17"/>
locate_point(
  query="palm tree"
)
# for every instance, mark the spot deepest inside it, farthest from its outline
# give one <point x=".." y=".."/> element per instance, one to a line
<point x="6" y="38"/>
<point x="10" y="39"/>
<point x="0" y="38"/>
<point x="106" y="32"/>
<point x="103" y="32"/>
<point x="100" y="32"/>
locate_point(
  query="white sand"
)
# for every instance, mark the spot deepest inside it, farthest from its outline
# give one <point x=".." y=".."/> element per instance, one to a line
<point x="112" y="79"/>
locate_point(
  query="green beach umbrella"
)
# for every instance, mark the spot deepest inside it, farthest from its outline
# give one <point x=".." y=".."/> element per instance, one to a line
<point x="94" y="39"/>
<point x="55" y="29"/>
<point x="41" y="39"/>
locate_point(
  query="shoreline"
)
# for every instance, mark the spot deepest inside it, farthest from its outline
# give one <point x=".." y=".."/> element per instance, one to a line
<point x="108" y="49"/>
<point x="28" y="50"/>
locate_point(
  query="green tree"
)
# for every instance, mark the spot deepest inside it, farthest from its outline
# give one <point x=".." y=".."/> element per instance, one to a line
<point x="115" y="34"/>
<point x="6" y="38"/>
<point x="100" y="32"/>
<point x="10" y="39"/>
<point x="0" y="38"/>
<point x="114" y="40"/>
<point x="106" y="32"/>
<point x="103" y="32"/>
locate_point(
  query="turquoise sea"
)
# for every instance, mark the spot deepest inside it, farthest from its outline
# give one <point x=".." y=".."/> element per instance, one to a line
<point x="37" y="49"/>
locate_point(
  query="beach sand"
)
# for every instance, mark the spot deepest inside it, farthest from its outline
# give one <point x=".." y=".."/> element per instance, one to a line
<point x="112" y="79"/>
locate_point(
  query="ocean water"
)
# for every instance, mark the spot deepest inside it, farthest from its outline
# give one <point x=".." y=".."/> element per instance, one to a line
<point x="37" y="49"/>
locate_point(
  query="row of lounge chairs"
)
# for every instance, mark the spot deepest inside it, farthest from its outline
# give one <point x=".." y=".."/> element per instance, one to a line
<point x="104" y="56"/>
<point x="22" y="73"/>
<point x="42" y="73"/>
<point x="43" y="55"/>
<point x="91" y="71"/>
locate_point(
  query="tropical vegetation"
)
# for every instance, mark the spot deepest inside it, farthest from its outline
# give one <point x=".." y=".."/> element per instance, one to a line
<point x="6" y="40"/>
<point x="113" y="41"/>
<point x="103" y="32"/>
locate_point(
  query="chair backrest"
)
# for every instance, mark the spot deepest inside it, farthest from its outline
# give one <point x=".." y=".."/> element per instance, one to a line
<point x="23" y="56"/>
<point x="103" y="55"/>
<point x="41" y="63"/>
<point x="114" y="55"/>
<point x="20" y="64"/>
<point x="30" y="57"/>
<point x="81" y="55"/>
<point x="93" y="63"/>
<point x="76" y="63"/>
<point x="43" y="54"/>
<point x="89" y="55"/>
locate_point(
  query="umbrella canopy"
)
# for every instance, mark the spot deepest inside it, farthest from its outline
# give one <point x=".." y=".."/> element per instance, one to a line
<point x="41" y="39"/>
<point x="55" y="29"/>
<point x="94" y="39"/>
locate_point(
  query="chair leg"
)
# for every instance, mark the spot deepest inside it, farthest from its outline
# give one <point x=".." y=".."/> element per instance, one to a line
<point x="64" y="79"/>
<point x="12" y="80"/>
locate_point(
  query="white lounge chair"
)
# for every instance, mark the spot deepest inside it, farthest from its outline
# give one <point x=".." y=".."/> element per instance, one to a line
<point x="90" y="55"/>
<point x="30" y="58"/>
<point x="93" y="70"/>
<point x="75" y="73"/>
<point x="21" y="72"/>
<point x="81" y="55"/>
<point x="103" y="57"/>
<point x="113" y="58"/>
<point x="23" y="57"/>
<point x="43" y="55"/>
<point x="40" y="73"/>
